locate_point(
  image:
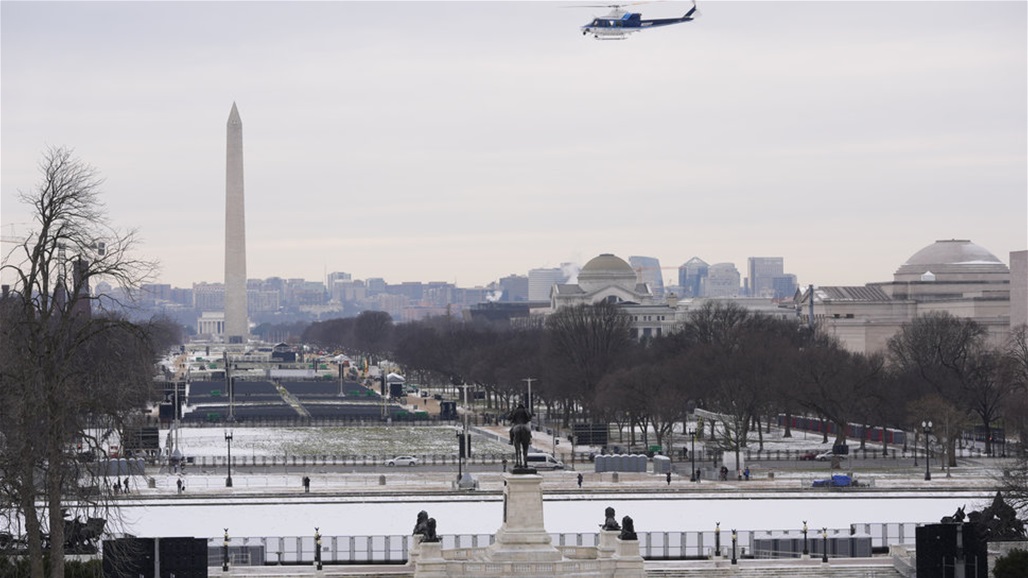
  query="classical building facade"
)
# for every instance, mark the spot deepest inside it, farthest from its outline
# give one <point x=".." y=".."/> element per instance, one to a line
<point x="955" y="276"/>
<point x="610" y="278"/>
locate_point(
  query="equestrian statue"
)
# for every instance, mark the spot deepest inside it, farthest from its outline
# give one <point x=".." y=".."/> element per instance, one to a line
<point x="520" y="434"/>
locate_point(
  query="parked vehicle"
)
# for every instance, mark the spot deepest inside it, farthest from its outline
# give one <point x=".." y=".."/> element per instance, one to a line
<point x="402" y="461"/>
<point x="544" y="462"/>
<point x="827" y="456"/>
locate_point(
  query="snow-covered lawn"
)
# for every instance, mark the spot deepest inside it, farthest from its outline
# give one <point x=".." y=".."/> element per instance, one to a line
<point x="338" y="441"/>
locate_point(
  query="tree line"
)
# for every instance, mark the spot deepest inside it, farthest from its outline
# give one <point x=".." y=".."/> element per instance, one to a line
<point x="747" y="367"/>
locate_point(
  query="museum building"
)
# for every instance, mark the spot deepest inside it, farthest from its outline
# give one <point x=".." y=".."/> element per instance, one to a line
<point x="953" y="276"/>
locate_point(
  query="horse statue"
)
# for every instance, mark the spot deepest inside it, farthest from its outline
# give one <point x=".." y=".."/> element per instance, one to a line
<point x="957" y="518"/>
<point x="520" y="435"/>
<point x="82" y="536"/>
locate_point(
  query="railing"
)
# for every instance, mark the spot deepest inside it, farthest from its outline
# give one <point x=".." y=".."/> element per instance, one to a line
<point x="751" y="457"/>
<point x="395" y="549"/>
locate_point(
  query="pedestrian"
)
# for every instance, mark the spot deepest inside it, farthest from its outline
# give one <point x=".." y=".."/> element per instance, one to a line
<point x="178" y="483"/>
<point x="504" y="464"/>
<point x="579" y="479"/>
<point x="669" y="477"/>
<point x="117" y="486"/>
<point x="126" y="486"/>
<point x="306" y="485"/>
<point x="746" y="473"/>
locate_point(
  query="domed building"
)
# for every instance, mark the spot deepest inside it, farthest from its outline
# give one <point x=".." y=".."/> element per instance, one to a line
<point x="608" y="278"/>
<point x="611" y="279"/>
<point x="950" y="269"/>
<point x="604" y="278"/>
<point x="955" y="276"/>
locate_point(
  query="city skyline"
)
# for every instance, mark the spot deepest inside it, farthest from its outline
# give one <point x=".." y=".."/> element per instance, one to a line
<point x="843" y="137"/>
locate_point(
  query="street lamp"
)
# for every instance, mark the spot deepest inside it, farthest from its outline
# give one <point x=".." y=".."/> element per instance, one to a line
<point x="735" y="540"/>
<point x="317" y="547"/>
<point x="224" y="553"/>
<point x="692" y="455"/>
<point x="806" y="550"/>
<point x="228" y="440"/>
<point x="824" y="545"/>
<point x="926" y="425"/>
<point x="464" y="478"/>
<point x="528" y="403"/>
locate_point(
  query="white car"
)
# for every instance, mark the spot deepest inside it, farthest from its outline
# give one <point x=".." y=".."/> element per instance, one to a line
<point x="827" y="456"/>
<point x="402" y="461"/>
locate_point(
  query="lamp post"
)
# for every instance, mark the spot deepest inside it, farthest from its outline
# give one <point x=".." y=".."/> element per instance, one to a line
<point x="926" y="425"/>
<point x="717" y="539"/>
<point x="224" y="553"/>
<point x="464" y="478"/>
<point x="806" y="550"/>
<point x="317" y="547"/>
<point x="228" y="440"/>
<point x="528" y="402"/>
<point x="735" y="540"/>
<point x="692" y="456"/>
<point x="824" y="545"/>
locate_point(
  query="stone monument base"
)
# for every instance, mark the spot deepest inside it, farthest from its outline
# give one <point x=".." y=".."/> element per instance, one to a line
<point x="523" y="548"/>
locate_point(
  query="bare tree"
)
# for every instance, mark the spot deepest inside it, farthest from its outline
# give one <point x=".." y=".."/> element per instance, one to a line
<point x="373" y="331"/>
<point x="63" y="366"/>
<point x="585" y="342"/>
<point x="949" y="422"/>
<point x="742" y="357"/>
<point x="837" y="384"/>
<point x="1016" y="411"/>
<point x="950" y="355"/>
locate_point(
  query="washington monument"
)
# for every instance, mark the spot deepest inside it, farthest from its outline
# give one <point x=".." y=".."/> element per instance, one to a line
<point x="236" y="323"/>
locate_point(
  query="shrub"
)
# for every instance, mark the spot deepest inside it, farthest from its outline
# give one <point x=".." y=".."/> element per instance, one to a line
<point x="1013" y="565"/>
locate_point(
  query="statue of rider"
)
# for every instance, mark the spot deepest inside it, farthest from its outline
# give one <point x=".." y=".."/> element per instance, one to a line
<point x="519" y="416"/>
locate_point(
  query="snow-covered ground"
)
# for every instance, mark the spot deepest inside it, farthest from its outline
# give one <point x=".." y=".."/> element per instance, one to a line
<point x="422" y="440"/>
<point x="338" y="441"/>
<point x="471" y="514"/>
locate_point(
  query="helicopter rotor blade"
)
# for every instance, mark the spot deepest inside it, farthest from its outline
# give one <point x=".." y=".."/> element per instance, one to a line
<point x="609" y="5"/>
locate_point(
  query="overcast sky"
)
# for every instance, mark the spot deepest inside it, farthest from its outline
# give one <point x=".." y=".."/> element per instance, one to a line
<point x="466" y="141"/>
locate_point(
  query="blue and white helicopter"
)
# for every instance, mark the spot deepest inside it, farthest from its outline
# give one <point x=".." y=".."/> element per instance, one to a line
<point x="620" y="23"/>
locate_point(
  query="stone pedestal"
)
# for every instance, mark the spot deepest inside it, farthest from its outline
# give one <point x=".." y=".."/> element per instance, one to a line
<point x="523" y="548"/>
<point x="415" y="550"/>
<point x="627" y="561"/>
<point x="430" y="562"/>
<point x="608" y="543"/>
<point x="523" y="537"/>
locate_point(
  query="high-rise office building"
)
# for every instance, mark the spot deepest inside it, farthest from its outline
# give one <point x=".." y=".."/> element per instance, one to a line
<point x="761" y="273"/>
<point x="514" y="287"/>
<point x="647" y="270"/>
<point x="691" y="275"/>
<point x="722" y="281"/>
<point x="784" y="286"/>
<point x="541" y="281"/>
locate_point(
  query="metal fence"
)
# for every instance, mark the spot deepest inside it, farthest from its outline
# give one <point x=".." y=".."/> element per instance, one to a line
<point x="497" y="459"/>
<point x="394" y="549"/>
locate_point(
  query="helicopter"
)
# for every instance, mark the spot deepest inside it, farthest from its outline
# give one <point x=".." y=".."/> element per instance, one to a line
<point x="620" y="23"/>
